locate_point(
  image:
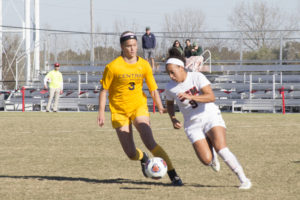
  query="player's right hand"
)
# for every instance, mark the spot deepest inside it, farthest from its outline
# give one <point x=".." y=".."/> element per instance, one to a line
<point x="100" y="119"/>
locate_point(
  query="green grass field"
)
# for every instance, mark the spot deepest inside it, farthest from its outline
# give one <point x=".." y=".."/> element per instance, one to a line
<point x="67" y="156"/>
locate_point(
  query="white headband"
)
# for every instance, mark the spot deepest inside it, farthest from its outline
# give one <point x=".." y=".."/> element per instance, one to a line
<point x="175" y="61"/>
<point x="128" y="34"/>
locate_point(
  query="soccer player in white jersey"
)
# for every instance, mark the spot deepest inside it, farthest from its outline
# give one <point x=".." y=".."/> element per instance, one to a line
<point x="203" y="122"/>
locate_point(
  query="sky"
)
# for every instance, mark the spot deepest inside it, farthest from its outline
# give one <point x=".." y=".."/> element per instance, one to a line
<point x="74" y="15"/>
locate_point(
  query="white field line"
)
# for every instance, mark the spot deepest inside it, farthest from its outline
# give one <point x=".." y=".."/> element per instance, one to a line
<point x="83" y="130"/>
<point x="153" y="129"/>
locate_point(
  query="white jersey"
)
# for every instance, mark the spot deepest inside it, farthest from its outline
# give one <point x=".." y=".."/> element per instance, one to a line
<point x="192" y="85"/>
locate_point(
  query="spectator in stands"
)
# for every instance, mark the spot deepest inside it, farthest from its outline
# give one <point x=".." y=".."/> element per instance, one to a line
<point x="188" y="48"/>
<point x="55" y="80"/>
<point x="123" y="80"/>
<point x="196" y="50"/>
<point x="148" y="44"/>
<point x="178" y="46"/>
<point x="203" y="122"/>
<point x="194" y="63"/>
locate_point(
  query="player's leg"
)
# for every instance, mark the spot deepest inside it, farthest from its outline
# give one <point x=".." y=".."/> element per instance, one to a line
<point x="203" y="151"/>
<point x="151" y="57"/>
<point x="56" y="99"/>
<point x="123" y="127"/>
<point x="201" y="143"/>
<point x="206" y="153"/>
<point x="51" y="95"/>
<point x="217" y="136"/>
<point x="153" y="64"/>
<point x="142" y="124"/>
<point x="145" y="54"/>
<point x="126" y="140"/>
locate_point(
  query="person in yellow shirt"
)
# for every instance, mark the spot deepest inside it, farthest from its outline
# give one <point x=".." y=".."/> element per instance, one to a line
<point x="55" y="80"/>
<point x="123" y="81"/>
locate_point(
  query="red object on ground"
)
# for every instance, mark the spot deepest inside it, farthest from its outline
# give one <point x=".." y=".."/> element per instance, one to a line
<point x="23" y="99"/>
<point x="43" y="91"/>
<point x="283" y="102"/>
<point x="160" y="91"/>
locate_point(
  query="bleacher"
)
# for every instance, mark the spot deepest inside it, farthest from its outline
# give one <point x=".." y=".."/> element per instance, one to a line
<point x="249" y="88"/>
<point x="256" y="88"/>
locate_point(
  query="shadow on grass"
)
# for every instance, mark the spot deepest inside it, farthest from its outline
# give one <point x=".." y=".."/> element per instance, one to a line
<point x="87" y="180"/>
<point x="105" y="181"/>
<point x="296" y="162"/>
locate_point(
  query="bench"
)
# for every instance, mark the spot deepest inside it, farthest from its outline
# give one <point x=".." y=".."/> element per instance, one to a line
<point x="64" y="103"/>
<point x="254" y="105"/>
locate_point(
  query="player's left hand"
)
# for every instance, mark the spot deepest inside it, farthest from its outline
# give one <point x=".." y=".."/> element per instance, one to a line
<point x="176" y="123"/>
<point x="184" y="96"/>
<point x="61" y="92"/>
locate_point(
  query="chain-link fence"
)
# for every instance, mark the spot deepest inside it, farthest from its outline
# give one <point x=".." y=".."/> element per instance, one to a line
<point x="73" y="48"/>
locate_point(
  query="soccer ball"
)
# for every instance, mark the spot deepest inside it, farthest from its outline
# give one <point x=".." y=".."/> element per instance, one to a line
<point x="156" y="168"/>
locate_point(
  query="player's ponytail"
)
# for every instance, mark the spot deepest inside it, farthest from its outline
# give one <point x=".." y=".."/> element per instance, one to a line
<point x="175" y="53"/>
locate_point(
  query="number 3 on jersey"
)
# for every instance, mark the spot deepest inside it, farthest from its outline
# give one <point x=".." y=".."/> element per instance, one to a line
<point x="132" y="86"/>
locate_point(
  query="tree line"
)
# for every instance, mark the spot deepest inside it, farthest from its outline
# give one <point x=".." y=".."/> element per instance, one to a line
<point x="251" y="21"/>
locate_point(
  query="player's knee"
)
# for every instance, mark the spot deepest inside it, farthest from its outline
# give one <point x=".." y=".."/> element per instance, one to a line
<point x="206" y="160"/>
<point x="150" y="145"/>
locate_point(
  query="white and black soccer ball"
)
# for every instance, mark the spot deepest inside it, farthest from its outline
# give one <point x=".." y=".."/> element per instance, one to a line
<point x="156" y="168"/>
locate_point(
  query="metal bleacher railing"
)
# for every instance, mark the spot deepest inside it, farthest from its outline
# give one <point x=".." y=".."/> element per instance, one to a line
<point x="238" y="88"/>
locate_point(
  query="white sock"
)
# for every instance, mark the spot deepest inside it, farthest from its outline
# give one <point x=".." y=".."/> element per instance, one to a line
<point x="214" y="153"/>
<point x="233" y="163"/>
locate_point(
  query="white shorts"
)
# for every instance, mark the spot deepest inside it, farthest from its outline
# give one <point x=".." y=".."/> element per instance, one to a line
<point x="197" y="129"/>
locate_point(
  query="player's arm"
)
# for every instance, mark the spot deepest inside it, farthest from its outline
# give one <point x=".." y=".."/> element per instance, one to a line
<point x="207" y="95"/>
<point x="45" y="81"/>
<point x="105" y="85"/>
<point x="153" y="88"/>
<point x="156" y="98"/>
<point x="61" y="85"/>
<point x="102" y="103"/>
<point x="171" y="111"/>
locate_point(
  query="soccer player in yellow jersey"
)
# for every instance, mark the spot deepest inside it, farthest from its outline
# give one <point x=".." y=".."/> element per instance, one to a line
<point x="123" y="81"/>
<point x="56" y="85"/>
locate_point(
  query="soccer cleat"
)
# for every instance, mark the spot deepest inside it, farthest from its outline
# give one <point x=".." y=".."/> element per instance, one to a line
<point x="143" y="163"/>
<point x="215" y="164"/>
<point x="246" y="185"/>
<point x="176" y="181"/>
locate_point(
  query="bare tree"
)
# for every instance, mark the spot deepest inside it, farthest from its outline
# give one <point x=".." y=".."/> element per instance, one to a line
<point x="12" y="50"/>
<point x="122" y="25"/>
<point x="187" y="22"/>
<point x="181" y="25"/>
<point x="256" y="18"/>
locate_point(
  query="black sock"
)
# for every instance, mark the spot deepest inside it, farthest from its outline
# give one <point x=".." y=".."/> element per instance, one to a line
<point x="172" y="173"/>
<point x="145" y="158"/>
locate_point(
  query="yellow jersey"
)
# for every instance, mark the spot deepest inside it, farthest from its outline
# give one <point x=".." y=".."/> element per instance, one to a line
<point x="55" y="78"/>
<point x="124" y="83"/>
